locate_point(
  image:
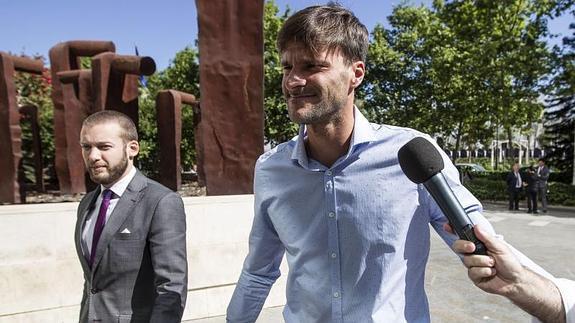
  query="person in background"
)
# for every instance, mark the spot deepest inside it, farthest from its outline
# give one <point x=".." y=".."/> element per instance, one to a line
<point x="530" y="184"/>
<point x="542" y="177"/>
<point x="514" y="186"/>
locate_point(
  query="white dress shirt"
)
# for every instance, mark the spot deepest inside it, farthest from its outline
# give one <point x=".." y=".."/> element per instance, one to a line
<point x="118" y="189"/>
<point x="567" y="289"/>
<point x="518" y="183"/>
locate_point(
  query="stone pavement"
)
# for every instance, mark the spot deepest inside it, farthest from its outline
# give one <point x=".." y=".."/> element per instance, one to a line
<point x="453" y="298"/>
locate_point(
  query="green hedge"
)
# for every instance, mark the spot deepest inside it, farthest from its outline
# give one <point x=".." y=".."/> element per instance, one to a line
<point x="559" y="177"/>
<point x="488" y="189"/>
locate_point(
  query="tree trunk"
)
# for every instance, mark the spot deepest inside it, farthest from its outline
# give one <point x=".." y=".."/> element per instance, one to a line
<point x="573" y="180"/>
<point x="510" y="144"/>
<point x="457" y="140"/>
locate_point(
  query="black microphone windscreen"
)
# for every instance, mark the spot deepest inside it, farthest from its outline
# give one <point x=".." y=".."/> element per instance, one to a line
<point x="419" y="160"/>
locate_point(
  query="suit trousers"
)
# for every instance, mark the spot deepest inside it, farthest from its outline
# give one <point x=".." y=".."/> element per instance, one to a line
<point x="532" y="201"/>
<point x="542" y="193"/>
<point x="514" y="198"/>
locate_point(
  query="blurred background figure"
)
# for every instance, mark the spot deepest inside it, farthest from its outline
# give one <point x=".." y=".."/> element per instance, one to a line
<point x="542" y="177"/>
<point x="530" y="184"/>
<point x="514" y="186"/>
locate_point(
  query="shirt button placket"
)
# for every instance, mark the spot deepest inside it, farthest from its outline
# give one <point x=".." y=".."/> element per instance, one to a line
<point x="333" y="245"/>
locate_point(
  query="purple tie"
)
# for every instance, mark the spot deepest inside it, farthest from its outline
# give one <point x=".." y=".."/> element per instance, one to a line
<point x="106" y="197"/>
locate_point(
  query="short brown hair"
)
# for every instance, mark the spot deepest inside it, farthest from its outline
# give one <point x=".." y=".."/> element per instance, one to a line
<point x="330" y="27"/>
<point x="129" y="131"/>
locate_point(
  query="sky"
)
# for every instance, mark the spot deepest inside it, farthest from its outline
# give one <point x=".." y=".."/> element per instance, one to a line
<point x="158" y="28"/>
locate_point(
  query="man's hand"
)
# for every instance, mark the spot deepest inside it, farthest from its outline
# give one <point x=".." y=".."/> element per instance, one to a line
<point x="499" y="272"/>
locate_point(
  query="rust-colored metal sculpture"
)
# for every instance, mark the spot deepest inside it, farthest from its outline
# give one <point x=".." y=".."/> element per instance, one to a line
<point x="169" y="119"/>
<point x="10" y="131"/>
<point x="112" y="83"/>
<point x="115" y="81"/>
<point x="69" y="111"/>
<point x="29" y="113"/>
<point x="231" y="77"/>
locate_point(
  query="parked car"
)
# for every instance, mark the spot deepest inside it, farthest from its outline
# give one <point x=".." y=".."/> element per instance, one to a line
<point x="467" y="171"/>
<point x="472" y="168"/>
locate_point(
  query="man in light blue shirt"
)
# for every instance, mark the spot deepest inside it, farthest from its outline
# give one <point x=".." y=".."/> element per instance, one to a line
<point x="354" y="229"/>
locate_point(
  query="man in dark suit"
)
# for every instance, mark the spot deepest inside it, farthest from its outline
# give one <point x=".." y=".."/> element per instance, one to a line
<point x="542" y="177"/>
<point x="130" y="233"/>
<point x="530" y="184"/>
<point x="514" y="184"/>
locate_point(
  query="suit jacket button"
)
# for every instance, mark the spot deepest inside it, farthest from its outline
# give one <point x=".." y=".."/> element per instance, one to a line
<point x="94" y="290"/>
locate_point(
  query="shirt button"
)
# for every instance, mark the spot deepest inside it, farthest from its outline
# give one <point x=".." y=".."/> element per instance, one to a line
<point x="336" y="294"/>
<point x="328" y="173"/>
<point x="333" y="255"/>
<point x="94" y="290"/>
<point x="331" y="214"/>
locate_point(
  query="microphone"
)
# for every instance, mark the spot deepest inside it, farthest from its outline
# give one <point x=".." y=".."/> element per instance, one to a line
<point x="422" y="164"/>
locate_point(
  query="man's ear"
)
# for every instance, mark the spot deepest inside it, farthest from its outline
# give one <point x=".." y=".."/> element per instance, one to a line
<point x="358" y="68"/>
<point x="133" y="148"/>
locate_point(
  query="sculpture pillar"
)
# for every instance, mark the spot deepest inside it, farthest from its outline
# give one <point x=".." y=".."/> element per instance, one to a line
<point x="115" y="82"/>
<point x="169" y="120"/>
<point x="10" y="131"/>
<point x="231" y="76"/>
<point x="69" y="111"/>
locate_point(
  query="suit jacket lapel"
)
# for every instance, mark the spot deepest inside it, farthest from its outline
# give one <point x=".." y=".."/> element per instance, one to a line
<point x="123" y="209"/>
<point x="83" y="211"/>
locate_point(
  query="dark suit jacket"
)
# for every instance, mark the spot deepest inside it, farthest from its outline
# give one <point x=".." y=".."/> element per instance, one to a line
<point x="512" y="182"/>
<point x="140" y="276"/>
<point x="530" y="178"/>
<point x="542" y="177"/>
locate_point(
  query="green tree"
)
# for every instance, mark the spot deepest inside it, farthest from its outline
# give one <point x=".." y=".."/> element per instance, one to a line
<point x="460" y="68"/>
<point x="278" y="126"/>
<point x="559" y="119"/>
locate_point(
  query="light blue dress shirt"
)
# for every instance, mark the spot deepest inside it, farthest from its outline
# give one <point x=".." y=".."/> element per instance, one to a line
<point x="356" y="235"/>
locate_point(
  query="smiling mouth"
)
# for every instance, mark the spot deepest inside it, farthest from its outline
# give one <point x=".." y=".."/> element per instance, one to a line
<point x="299" y="97"/>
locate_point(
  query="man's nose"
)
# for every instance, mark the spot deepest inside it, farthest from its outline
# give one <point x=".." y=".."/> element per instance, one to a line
<point x="94" y="154"/>
<point x="294" y="79"/>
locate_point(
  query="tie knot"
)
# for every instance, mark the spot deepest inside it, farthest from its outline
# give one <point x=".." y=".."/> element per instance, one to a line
<point x="107" y="194"/>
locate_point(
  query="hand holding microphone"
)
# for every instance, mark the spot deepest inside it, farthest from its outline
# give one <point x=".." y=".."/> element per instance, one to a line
<point x="422" y="164"/>
<point x="500" y="272"/>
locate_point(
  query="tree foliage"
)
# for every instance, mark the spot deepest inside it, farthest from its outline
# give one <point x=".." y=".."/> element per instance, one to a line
<point x="278" y="126"/>
<point x="559" y="120"/>
<point x="460" y="68"/>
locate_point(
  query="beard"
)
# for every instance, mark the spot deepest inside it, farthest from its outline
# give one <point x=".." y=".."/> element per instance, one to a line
<point x="325" y="110"/>
<point x="317" y="104"/>
<point x="111" y="173"/>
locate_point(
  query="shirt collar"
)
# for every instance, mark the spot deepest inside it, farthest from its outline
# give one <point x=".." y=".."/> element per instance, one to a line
<point x="362" y="133"/>
<point x="120" y="186"/>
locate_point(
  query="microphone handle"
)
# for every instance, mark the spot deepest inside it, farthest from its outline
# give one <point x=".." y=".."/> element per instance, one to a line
<point x="444" y="197"/>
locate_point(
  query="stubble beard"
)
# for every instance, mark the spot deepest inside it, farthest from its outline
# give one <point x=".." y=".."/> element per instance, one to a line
<point x="113" y="173"/>
<point x="325" y="111"/>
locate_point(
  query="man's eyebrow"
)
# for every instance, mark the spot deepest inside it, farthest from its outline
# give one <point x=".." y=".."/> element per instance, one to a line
<point x="97" y="143"/>
<point x="308" y="60"/>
